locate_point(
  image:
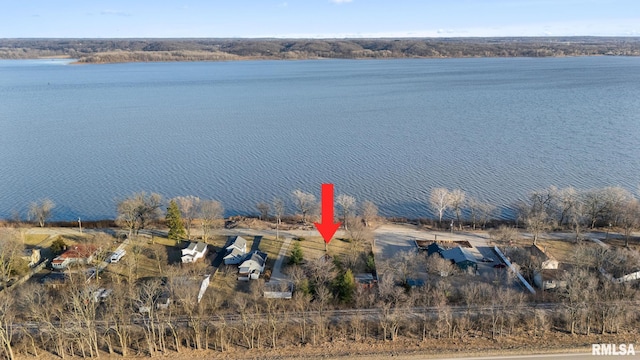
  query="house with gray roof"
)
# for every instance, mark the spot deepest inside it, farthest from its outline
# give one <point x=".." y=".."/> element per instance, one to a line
<point x="461" y="257"/>
<point x="194" y="252"/>
<point x="236" y="251"/>
<point x="252" y="266"/>
<point x="434" y="248"/>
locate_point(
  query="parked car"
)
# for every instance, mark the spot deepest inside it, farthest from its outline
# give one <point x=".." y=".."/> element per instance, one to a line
<point x="487" y="260"/>
<point x="500" y="266"/>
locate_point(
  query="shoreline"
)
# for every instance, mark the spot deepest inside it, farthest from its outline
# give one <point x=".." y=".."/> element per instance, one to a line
<point x="107" y="51"/>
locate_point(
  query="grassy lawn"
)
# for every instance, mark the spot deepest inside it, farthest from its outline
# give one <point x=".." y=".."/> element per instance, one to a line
<point x="617" y="240"/>
<point x="225" y="282"/>
<point x="163" y="241"/>
<point x="562" y="250"/>
<point x="271" y="246"/>
<point x="34" y="239"/>
<point x="313" y="248"/>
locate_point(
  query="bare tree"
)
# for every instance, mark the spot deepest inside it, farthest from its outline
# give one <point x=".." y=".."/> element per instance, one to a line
<point x="128" y="215"/>
<point x="504" y="234"/>
<point x="185" y="291"/>
<point x="393" y="303"/>
<point x="150" y="208"/>
<point x="264" y="209"/>
<point x="439" y="200"/>
<point x="278" y="209"/>
<point x="119" y="315"/>
<point x="11" y="250"/>
<point x="138" y="211"/>
<point x="145" y="301"/>
<point x="41" y="211"/>
<point x="359" y="235"/>
<point x="347" y="206"/>
<point x="457" y="202"/>
<point x="574" y="211"/>
<point x="581" y="286"/>
<point x="535" y="212"/>
<point x="320" y="271"/>
<point x="369" y="212"/>
<point x="80" y="300"/>
<point x="305" y="203"/>
<point x="7" y="316"/>
<point x="402" y="266"/>
<point x="437" y="265"/>
<point x="479" y="212"/>
<point x="629" y="218"/>
<point x="615" y="199"/>
<point x="211" y="213"/>
<point x="602" y="205"/>
<point x="189" y="207"/>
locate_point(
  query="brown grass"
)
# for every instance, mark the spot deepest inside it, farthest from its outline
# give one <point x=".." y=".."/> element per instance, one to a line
<point x="562" y="250"/>
<point x="34" y="239"/>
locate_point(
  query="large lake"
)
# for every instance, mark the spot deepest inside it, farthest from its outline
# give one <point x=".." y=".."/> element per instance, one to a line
<point x="242" y="132"/>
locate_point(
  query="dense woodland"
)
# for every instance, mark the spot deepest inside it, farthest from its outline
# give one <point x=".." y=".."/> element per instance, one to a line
<point x="144" y="50"/>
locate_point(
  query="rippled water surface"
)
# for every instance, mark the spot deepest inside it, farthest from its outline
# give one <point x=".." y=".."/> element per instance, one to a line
<point x="243" y="132"/>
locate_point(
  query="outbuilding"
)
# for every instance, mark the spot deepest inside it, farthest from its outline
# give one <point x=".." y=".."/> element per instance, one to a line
<point x="461" y="257"/>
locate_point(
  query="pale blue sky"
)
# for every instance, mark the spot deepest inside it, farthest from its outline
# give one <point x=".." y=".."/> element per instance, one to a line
<point x="317" y="18"/>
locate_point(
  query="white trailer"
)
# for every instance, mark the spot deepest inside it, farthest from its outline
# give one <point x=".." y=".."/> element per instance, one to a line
<point x="118" y="255"/>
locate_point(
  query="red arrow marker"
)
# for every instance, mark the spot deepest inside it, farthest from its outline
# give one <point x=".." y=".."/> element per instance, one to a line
<point x="327" y="227"/>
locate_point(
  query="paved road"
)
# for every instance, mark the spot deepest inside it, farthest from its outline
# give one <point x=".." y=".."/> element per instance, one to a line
<point x="539" y="357"/>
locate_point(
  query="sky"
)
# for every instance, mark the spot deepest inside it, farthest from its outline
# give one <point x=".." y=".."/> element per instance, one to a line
<point x="316" y="18"/>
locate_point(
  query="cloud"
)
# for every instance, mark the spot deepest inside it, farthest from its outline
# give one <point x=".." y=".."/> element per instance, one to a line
<point x="114" y="13"/>
<point x="340" y="1"/>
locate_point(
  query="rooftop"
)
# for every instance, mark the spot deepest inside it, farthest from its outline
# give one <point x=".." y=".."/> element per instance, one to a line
<point x="458" y="255"/>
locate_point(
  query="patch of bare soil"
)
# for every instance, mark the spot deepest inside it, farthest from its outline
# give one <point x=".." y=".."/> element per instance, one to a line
<point x="404" y="349"/>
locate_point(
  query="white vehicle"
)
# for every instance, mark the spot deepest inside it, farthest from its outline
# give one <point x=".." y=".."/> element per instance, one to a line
<point x="118" y="255"/>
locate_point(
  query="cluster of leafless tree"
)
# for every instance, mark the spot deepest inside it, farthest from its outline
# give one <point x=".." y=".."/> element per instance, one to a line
<point x="11" y="251"/>
<point x="349" y="211"/>
<point x="577" y="210"/>
<point x="479" y="212"/>
<point x="548" y="209"/>
<point x="140" y="209"/>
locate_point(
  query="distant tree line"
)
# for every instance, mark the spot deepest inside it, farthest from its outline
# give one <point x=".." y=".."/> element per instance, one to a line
<point x="132" y="50"/>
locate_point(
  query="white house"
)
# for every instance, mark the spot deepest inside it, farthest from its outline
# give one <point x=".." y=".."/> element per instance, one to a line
<point x="193" y="252"/>
<point x="549" y="275"/>
<point x="252" y="266"/>
<point x="236" y="251"/>
<point x="546" y="260"/>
